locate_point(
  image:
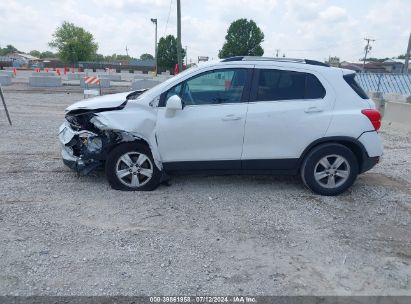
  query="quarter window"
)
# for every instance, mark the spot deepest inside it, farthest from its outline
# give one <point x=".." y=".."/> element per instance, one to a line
<point x="288" y="85"/>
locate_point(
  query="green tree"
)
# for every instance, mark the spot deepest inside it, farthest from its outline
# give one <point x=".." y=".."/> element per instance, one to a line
<point x="48" y="54"/>
<point x="167" y="52"/>
<point x="99" y="57"/>
<point x="146" y="56"/>
<point x="73" y="43"/>
<point x="123" y="57"/>
<point x="243" y="39"/>
<point x="7" y="50"/>
<point x="35" y="53"/>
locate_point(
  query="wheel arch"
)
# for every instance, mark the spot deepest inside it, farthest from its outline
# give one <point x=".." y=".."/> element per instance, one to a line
<point x="350" y="142"/>
<point x="124" y="137"/>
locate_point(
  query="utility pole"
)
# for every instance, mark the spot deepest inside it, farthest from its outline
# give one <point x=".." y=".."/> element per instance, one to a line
<point x="277" y="51"/>
<point x="179" y="57"/>
<point x="407" y="56"/>
<point x="154" y="20"/>
<point x="186" y="56"/>
<point x="126" y="50"/>
<point x="367" y="50"/>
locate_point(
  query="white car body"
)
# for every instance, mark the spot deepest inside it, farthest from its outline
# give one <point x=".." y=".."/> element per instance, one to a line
<point x="270" y="135"/>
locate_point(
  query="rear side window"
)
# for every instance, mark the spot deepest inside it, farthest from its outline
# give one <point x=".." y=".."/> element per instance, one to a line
<point x="288" y="85"/>
<point x="313" y="87"/>
<point x="350" y="79"/>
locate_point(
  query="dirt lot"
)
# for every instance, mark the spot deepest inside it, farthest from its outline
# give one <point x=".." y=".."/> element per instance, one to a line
<point x="64" y="235"/>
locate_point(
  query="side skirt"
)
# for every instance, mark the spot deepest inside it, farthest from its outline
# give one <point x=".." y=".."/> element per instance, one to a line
<point x="233" y="167"/>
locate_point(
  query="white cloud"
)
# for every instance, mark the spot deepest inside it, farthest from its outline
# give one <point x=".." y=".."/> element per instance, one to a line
<point x="333" y="14"/>
<point x="314" y="29"/>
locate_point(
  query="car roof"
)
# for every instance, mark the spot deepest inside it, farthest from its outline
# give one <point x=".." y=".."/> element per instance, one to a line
<point x="272" y="59"/>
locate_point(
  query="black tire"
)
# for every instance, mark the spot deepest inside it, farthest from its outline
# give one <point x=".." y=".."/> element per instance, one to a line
<point x="335" y="180"/>
<point x="114" y="163"/>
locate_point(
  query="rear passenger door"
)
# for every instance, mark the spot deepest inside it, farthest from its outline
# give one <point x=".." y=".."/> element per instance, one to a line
<point x="287" y="111"/>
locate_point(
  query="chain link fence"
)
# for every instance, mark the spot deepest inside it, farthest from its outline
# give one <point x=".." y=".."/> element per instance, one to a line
<point x="385" y="83"/>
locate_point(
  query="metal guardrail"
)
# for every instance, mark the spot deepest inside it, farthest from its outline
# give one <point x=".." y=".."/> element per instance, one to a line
<point x="385" y="83"/>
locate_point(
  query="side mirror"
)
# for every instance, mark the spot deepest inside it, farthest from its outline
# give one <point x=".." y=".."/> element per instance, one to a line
<point x="174" y="103"/>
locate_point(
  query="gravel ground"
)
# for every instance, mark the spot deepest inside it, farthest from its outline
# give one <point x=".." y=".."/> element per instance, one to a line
<point x="64" y="235"/>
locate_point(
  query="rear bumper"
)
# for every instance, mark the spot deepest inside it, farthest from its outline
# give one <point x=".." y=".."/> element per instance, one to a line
<point x="368" y="163"/>
<point x="372" y="143"/>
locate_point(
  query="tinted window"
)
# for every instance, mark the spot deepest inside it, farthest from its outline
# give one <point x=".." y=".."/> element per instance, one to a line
<point x="286" y="85"/>
<point x="214" y="87"/>
<point x="350" y="79"/>
<point x="174" y="91"/>
<point x="313" y="87"/>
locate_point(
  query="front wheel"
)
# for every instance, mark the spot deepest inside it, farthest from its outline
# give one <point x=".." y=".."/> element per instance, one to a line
<point x="329" y="169"/>
<point x="131" y="167"/>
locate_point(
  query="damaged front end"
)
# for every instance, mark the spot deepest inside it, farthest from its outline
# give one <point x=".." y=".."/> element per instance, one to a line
<point x="85" y="139"/>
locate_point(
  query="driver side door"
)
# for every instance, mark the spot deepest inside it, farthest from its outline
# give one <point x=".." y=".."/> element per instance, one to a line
<point x="207" y="134"/>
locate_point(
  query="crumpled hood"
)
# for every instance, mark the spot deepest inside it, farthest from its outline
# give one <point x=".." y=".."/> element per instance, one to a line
<point x="106" y="101"/>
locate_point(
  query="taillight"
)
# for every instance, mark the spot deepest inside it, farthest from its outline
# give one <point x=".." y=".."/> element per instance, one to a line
<point x="374" y="116"/>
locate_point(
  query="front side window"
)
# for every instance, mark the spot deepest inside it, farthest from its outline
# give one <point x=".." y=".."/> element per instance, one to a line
<point x="214" y="87"/>
<point x="288" y="85"/>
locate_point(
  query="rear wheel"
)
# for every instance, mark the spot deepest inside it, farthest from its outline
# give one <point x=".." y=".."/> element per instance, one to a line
<point x="329" y="169"/>
<point x="131" y="167"/>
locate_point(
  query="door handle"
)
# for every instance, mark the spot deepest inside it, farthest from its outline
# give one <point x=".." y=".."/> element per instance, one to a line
<point x="313" y="110"/>
<point x="231" y="117"/>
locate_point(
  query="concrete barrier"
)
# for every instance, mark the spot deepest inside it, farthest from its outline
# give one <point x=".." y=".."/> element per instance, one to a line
<point x="398" y="112"/>
<point x="144" y="84"/>
<point x="395" y="97"/>
<point x="112" y="77"/>
<point x="44" y="81"/>
<point x="7" y="73"/>
<point x="162" y="78"/>
<point x="379" y="101"/>
<point x="75" y="76"/>
<point x="166" y="73"/>
<point x="5" y="80"/>
<point x="143" y="76"/>
<point x="49" y="74"/>
<point x="104" y="83"/>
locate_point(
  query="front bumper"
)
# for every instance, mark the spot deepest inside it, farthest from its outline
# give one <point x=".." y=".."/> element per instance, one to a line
<point x="79" y="163"/>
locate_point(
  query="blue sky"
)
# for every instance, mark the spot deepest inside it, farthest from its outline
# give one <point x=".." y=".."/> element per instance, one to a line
<point x="305" y="29"/>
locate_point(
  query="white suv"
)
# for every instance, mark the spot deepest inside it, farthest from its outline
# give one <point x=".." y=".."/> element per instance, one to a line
<point x="241" y="115"/>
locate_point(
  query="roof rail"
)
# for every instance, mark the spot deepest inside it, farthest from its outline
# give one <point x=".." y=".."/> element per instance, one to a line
<point x="314" y="62"/>
<point x="257" y="58"/>
<point x="235" y="58"/>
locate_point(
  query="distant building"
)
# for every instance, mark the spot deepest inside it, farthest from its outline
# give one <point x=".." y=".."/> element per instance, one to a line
<point x="21" y="59"/>
<point x="148" y="63"/>
<point x="334" y="62"/>
<point x="394" y="65"/>
<point x="357" y="67"/>
<point x="370" y="67"/>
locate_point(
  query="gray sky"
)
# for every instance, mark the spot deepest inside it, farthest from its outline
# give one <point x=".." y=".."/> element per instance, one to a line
<point x="312" y="29"/>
